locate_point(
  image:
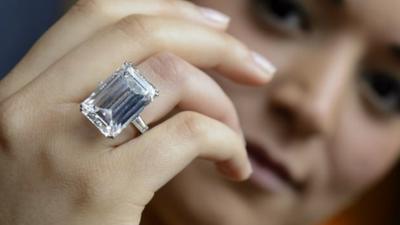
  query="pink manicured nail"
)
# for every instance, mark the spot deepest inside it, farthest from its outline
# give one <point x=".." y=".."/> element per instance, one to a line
<point x="214" y="15"/>
<point x="264" y="64"/>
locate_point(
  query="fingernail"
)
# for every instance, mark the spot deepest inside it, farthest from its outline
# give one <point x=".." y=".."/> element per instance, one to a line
<point x="263" y="64"/>
<point x="214" y="15"/>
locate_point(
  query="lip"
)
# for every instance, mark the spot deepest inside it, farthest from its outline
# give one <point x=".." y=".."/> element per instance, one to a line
<point x="269" y="174"/>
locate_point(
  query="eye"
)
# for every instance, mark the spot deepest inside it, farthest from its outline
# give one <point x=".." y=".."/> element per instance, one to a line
<point x="382" y="90"/>
<point x="287" y="15"/>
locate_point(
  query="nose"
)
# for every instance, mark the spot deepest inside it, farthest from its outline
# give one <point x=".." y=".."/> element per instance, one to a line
<point x="308" y="97"/>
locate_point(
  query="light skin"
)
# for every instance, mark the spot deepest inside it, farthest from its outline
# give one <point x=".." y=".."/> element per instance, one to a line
<point x="59" y="170"/>
<point x="316" y="117"/>
<point x="327" y="130"/>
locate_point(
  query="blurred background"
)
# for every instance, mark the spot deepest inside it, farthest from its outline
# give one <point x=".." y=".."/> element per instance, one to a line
<point x="22" y="22"/>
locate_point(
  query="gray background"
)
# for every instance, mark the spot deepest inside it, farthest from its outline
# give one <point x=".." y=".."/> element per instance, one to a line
<point x="21" y="24"/>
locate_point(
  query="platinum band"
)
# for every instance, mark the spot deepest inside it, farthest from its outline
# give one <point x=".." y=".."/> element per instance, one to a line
<point x="139" y="123"/>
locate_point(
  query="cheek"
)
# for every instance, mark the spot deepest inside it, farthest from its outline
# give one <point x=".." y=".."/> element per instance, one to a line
<point x="365" y="149"/>
<point x="385" y="17"/>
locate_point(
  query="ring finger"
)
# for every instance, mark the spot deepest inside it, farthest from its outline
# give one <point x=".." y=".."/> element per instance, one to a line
<point x="197" y="92"/>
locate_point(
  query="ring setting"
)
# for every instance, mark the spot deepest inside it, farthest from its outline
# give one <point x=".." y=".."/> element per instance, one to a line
<point x="119" y="100"/>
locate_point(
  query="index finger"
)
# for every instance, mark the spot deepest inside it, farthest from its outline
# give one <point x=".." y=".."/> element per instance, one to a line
<point x="138" y="37"/>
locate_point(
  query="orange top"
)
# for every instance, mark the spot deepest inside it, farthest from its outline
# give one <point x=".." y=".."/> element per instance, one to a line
<point x="377" y="207"/>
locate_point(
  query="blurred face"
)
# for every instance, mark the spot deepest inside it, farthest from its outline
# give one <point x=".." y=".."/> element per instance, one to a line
<point x="322" y="132"/>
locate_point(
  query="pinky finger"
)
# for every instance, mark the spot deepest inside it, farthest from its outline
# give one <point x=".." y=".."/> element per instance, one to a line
<point x="181" y="139"/>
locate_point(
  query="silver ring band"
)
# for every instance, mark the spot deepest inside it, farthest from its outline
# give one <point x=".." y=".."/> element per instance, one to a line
<point x="139" y="123"/>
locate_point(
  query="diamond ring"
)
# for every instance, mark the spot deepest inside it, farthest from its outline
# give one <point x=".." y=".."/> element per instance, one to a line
<point x="119" y="100"/>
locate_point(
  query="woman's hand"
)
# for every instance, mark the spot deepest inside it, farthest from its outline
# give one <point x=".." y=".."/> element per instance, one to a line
<point x="56" y="168"/>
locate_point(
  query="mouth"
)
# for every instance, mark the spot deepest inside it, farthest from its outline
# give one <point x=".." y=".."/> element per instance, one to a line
<point x="269" y="174"/>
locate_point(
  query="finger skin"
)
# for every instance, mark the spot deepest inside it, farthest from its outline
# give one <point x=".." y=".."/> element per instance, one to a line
<point x="182" y="87"/>
<point x="187" y="87"/>
<point x="93" y="186"/>
<point x="83" y="20"/>
<point x="136" y="38"/>
<point x="180" y="140"/>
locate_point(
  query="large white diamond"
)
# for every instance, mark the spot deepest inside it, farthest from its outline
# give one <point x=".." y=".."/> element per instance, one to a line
<point x="118" y="100"/>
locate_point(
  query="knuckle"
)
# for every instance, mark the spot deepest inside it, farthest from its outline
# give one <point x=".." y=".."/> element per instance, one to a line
<point x="177" y="5"/>
<point x="234" y="46"/>
<point x="86" y="7"/>
<point x="203" y="129"/>
<point x="133" y="25"/>
<point x="12" y="118"/>
<point x="21" y="119"/>
<point x="182" y="7"/>
<point x="194" y="125"/>
<point x="171" y="69"/>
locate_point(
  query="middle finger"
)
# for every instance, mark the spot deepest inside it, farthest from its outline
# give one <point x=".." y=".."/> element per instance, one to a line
<point x="85" y="19"/>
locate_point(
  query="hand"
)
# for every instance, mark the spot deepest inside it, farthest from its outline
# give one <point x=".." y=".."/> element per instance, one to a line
<point x="56" y="168"/>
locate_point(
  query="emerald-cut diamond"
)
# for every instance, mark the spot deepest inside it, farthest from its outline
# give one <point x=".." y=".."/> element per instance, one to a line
<point x="118" y="100"/>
